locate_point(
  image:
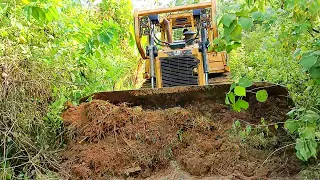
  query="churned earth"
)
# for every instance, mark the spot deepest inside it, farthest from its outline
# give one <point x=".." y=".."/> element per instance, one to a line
<point x="197" y="141"/>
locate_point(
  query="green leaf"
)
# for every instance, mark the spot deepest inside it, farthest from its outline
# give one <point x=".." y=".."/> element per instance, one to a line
<point x="299" y="144"/>
<point x="292" y="125"/>
<point x="240" y="91"/>
<point x="262" y="95"/>
<point x="311" y="115"/>
<point x="236" y="107"/>
<point x="291" y="113"/>
<point x="308" y="61"/>
<point x="298" y="154"/>
<point x="42" y="16"/>
<point x="312" y="148"/>
<point x="210" y="48"/>
<point x="233" y="85"/>
<point x="236" y="33"/>
<point x="227" y="100"/>
<point x="4" y="33"/>
<point x="242" y="134"/>
<point x="25" y="2"/>
<point x="243" y="13"/>
<point x="249" y="2"/>
<point x="242" y="104"/>
<point x="248" y="130"/>
<point x="228" y="30"/>
<point x="227" y="19"/>
<point x="308" y="133"/>
<point x="232" y="97"/>
<point x="35" y="13"/>
<point x="246" y="23"/>
<point x="237" y="123"/>
<point x="315" y="72"/>
<point x="233" y="46"/>
<point x="304" y="153"/>
<point x="256" y="15"/>
<point x="245" y="82"/>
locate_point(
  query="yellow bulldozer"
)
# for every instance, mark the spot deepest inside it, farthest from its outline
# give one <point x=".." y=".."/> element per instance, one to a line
<point x="178" y="61"/>
<point x="172" y="60"/>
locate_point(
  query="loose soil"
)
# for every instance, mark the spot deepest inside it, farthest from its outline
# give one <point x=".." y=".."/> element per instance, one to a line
<point x="107" y="141"/>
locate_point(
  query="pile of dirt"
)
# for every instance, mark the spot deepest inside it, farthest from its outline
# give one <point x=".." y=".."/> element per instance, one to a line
<point x="106" y="140"/>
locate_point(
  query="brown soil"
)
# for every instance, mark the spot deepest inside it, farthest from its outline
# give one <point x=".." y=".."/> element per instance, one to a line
<point x="106" y="140"/>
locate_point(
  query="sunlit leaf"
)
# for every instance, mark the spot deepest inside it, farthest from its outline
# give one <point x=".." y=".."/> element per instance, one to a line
<point x="240" y="91"/>
<point x="262" y="95"/>
<point x="308" y="133"/>
<point x="246" y="23"/>
<point x="236" y="33"/>
<point x="35" y="13"/>
<point x="25" y="2"/>
<point x="227" y="19"/>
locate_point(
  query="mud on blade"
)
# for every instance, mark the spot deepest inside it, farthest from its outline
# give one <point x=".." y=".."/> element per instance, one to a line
<point x="186" y="95"/>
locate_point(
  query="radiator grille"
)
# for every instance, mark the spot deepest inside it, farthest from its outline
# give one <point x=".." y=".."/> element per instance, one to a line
<point x="178" y="71"/>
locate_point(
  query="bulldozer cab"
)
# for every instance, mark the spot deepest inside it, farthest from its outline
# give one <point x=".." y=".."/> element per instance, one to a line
<point x="177" y="49"/>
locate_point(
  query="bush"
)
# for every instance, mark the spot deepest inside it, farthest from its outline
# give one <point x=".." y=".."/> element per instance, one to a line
<point x="51" y="52"/>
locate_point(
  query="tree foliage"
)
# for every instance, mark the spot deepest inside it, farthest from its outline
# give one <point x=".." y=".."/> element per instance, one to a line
<point x="278" y="42"/>
<point x="51" y="52"/>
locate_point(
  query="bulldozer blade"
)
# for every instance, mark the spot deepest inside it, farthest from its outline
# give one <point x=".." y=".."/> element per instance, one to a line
<point x="185" y="95"/>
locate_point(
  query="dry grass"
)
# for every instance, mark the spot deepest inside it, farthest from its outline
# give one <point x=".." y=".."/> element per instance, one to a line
<point x="25" y="94"/>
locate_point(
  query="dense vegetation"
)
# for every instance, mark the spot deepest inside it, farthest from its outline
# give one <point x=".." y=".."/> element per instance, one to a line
<point x="279" y="42"/>
<point x="51" y="52"/>
<point x="54" y="51"/>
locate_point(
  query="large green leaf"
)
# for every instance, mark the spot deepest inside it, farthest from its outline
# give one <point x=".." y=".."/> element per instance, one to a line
<point x="242" y="104"/>
<point x="308" y="133"/>
<point x="227" y="19"/>
<point x="315" y="72"/>
<point x="308" y="61"/>
<point x="245" y="82"/>
<point x="228" y="30"/>
<point x="236" y="33"/>
<point x="246" y="23"/>
<point x="291" y="125"/>
<point x="262" y="95"/>
<point x="240" y="91"/>
<point x="35" y="13"/>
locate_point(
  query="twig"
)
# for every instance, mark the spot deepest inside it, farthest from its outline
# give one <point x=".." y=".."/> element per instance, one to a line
<point x="273" y="153"/>
<point x="267" y="125"/>
<point x="83" y="139"/>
